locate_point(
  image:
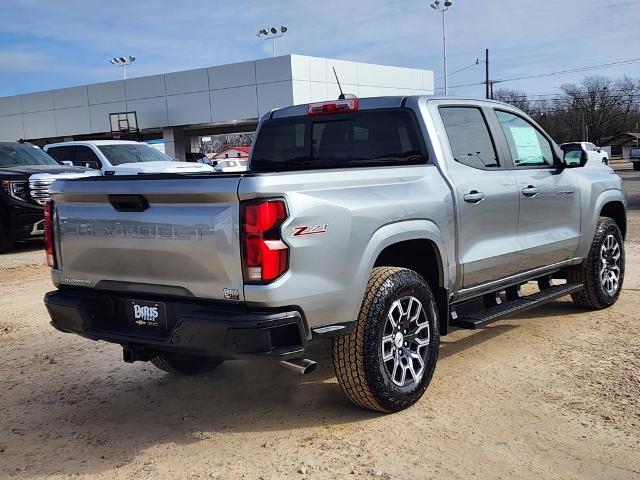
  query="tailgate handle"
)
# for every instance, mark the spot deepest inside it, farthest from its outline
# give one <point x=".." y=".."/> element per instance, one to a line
<point x="129" y="203"/>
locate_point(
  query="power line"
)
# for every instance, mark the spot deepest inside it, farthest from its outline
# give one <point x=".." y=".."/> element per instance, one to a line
<point x="457" y="71"/>
<point x="559" y="72"/>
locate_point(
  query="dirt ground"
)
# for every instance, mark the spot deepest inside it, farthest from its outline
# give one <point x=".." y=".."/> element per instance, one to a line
<point x="552" y="393"/>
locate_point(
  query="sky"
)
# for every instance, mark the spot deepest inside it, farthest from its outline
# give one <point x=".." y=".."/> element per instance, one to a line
<point x="46" y="44"/>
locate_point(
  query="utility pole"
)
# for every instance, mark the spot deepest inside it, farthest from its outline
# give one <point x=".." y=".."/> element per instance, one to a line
<point x="486" y="72"/>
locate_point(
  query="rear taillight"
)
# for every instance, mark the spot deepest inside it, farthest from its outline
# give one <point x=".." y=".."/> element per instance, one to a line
<point x="264" y="255"/>
<point x="48" y="234"/>
<point x="334" y="106"/>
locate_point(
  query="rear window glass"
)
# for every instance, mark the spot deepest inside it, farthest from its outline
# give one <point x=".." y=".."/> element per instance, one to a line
<point x="368" y="138"/>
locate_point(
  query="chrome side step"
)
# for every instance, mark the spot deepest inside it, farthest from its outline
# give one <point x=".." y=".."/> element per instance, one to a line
<point x="515" y="306"/>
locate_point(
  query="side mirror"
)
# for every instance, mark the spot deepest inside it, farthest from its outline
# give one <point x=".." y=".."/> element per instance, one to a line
<point x="599" y="149"/>
<point x="575" y="158"/>
<point x="66" y="163"/>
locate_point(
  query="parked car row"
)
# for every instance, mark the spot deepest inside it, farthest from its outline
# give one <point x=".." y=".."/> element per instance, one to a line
<point x="27" y="173"/>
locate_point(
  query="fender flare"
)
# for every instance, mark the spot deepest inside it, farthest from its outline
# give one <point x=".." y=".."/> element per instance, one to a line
<point x="589" y="223"/>
<point x="396" y="232"/>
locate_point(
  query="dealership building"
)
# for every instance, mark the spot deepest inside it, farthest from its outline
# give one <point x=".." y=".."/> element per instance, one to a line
<point x="179" y="107"/>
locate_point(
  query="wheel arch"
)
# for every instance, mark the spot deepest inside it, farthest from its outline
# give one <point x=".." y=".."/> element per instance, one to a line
<point x="616" y="211"/>
<point x="404" y="244"/>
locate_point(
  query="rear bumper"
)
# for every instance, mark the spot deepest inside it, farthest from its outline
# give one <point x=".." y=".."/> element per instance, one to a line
<point x="193" y="327"/>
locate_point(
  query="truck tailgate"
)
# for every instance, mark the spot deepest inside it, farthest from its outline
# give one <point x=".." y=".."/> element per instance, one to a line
<point x="173" y="236"/>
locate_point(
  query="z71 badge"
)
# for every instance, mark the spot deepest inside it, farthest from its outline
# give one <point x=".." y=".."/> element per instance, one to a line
<point x="304" y="230"/>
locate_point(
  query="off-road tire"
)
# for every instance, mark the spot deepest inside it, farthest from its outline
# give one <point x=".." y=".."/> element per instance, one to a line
<point x="357" y="356"/>
<point x="593" y="295"/>
<point x="636" y="166"/>
<point x="184" y="364"/>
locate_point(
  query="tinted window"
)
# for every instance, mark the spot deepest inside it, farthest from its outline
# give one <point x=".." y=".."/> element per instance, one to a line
<point x="367" y="138"/>
<point x="469" y="137"/>
<point x="23" y="155"/>
<point x="119" y="154"/>
<point x="85" y="157"/>
<point x="527" y="145"/>
<point x="67" y="153"/>
<point x="635" y="152"/>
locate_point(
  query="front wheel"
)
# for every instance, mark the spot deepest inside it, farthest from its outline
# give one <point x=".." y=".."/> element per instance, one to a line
<point x="185" y="364"/>
<point x="602" y="272"/>
<point x="387" y="362"/>
<point x="636" y="166"/>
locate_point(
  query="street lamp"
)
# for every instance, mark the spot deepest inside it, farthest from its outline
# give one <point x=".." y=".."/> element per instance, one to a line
<point x="272" y="33"/>
<point x="123" y="62"/>
<point x="443" y="8"/>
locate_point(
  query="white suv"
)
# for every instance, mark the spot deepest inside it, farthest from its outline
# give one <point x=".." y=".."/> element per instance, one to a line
<point x="120" y="157"/>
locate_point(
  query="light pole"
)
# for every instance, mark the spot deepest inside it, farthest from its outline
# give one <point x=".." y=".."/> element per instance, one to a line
<point x="123" y="62"/>
<point x="443" y="8"/>
<point x="272" y="33"/>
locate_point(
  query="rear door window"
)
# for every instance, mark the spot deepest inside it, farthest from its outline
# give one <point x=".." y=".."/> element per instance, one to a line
<point x="366" y="138"/>
<point x="66" y="153"/>
<point x="469" y="137"/>
<point x="85" y="157"/>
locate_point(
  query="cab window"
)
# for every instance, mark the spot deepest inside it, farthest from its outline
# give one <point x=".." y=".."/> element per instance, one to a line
<point x="469" y="137"/>
<point x="63" y="154"/>
<point x="85" y="157"/>
<point x="527" y="145"/>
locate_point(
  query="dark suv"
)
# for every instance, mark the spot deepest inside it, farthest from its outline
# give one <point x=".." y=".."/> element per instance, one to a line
<point x="26" y="173"/>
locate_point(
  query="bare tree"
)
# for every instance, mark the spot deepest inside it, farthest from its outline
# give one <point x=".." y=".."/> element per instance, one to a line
<point x="599" y="107"/>
<point x="223" y="142"/>
<point x="517" y="98"/>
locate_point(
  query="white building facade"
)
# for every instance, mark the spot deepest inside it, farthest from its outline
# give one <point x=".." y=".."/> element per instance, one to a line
<point x="178" y="105"/>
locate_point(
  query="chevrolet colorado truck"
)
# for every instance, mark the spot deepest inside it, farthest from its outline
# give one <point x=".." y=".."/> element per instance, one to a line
<point x="26" y="175"/>
<point x="379" y="222"/>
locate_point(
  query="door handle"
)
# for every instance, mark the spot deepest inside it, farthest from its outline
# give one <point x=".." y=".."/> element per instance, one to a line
<point x="473" y="196"/>
<point x="530" y="191"/>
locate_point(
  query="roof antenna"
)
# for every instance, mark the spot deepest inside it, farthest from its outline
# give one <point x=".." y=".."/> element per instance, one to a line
<point x="342" y="95"/>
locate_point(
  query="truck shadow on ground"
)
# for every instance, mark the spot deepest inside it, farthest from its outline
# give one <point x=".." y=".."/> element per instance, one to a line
<point x="98" y="413"/>
<point x="26" y="246"/>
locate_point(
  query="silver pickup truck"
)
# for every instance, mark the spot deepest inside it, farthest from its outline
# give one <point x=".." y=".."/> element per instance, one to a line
<point x="380" y="222"/>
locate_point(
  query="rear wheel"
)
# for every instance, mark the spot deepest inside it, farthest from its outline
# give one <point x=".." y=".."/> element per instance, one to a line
<point x="636" y="166"/>
<point x="602" y="272"/>
<point x="185" y="364"/>
<point x="387" y="362"/>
